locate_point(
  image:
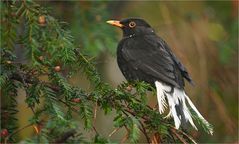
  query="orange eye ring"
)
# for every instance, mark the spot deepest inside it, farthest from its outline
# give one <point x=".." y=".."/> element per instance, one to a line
<point x="132" y="24"/>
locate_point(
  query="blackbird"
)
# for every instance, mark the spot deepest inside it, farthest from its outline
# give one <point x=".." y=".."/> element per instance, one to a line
<point x="144" y="56"/>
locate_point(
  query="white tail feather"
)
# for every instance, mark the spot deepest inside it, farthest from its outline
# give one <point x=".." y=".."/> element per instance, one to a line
<point x="161" y="97"/>
<point x="198" y="113"/>
<point x="181" y="96"/>
<point x="173" y="98"/>
<point x="172" y="103"/>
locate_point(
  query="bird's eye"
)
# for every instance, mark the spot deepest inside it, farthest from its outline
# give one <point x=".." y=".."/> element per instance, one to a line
<point x="132" y="24"/>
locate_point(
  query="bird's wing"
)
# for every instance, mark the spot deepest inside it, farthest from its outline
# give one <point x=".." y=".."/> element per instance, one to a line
<point x="181" y="67"/>
<point x="149" y="56"/>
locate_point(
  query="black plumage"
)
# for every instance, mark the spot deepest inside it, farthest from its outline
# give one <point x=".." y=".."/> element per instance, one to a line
<point x="144" y="56"/>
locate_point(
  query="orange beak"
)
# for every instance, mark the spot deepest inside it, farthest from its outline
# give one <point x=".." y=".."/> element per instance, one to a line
<point x="115" y="23"/>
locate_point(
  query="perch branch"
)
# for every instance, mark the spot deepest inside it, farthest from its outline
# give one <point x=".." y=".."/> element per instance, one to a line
<point x="15" y="132"/>
<point x="178" y="136"/>
<point x="63" y="138"/>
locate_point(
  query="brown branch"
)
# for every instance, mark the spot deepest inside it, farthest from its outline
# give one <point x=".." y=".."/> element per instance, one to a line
<point x="125" y="109"/>
<point x="95" y="113"/>
<point x="156" y="138"/>
<point x="95" y="130"/>
<point x="134" y="114"/>
<point x="186" y="135"/>
<point x="25" y="87"/>
<point x="55" y="88"/>
<point x="73" y="109"/>
<point x="126" y="136"/>
<point x="178" y="136"/>
<point x="114" y="131"/>
<point x="20" y="11"/>
<point x="143" y="130"/>
<point x="63" y="138"/>
<point x="15" y="132"/>
<point x="94" y="118"/>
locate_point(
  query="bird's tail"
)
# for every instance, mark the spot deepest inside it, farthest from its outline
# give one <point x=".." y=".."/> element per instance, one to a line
<point x="177" y="101"/>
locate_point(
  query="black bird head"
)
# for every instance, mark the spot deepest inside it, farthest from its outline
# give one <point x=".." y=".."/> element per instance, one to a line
<point x="132" y="26"/>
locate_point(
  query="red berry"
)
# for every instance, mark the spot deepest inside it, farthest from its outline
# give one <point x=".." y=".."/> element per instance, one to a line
<point x="9" y="62"/>
<point x="76" y="100"/>
<point x="42" y="20"/>
<point x="41" y="58"/>
<point x="57" y="68"/>
<point x="129" y="88"/>
<point x="4" y="133"/>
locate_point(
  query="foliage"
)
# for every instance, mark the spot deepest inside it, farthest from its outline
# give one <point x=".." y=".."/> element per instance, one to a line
<point x="51" y="52"/>
<point x="95" y="37"/>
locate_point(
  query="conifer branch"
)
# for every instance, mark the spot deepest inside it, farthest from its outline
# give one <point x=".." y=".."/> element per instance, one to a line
<point x="15" y="132"/>
<point x="51" y="52"/>
<point x="63" y="138"/>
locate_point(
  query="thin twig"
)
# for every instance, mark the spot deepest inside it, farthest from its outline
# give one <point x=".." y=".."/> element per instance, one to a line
<point x="183" y="133"/>
<point x="134" y="114"/>
<point x="95" y="112"/>
<point x="94" y="118"/>
<point x="114" y="131"/>
<point x="178" y="136"/>
<point x="15" y="132"/>
<point x="95" y="130"/>
<point x="26" y="86"/>
<point x="143" y="130"/>
<point x="63" y="138"/>
<point x="156" y="139"/>
<point x="65" y="103"/>
<point x="125" y="136"/>
<point x="75" y="110"/>
<point x="29" y="8"/>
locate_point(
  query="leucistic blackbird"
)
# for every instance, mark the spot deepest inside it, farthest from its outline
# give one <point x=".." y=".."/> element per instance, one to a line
<point x="144" y="56"/>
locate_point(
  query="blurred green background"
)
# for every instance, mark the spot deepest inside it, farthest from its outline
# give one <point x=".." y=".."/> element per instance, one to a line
<point x="203" y="35"/>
